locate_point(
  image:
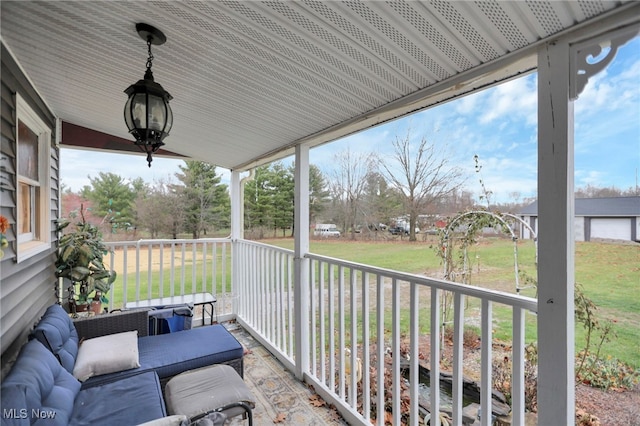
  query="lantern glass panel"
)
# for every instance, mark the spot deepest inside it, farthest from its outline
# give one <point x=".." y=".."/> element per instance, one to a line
<point x="139" y="111"/>
<point x="127" y="113"/>
<point x="169" y="119"/>
<point x="156" y="113"/>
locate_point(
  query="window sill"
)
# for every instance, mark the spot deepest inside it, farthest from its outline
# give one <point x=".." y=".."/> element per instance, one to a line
<point x="30" y="249"/>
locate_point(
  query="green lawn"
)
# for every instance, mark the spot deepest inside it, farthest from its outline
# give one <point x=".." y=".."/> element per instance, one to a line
<point x="609" y="273"/>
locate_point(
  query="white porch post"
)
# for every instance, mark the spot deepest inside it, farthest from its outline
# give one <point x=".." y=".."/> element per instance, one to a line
<point x="556" y="392"/>
<point x="301" y="263"/>
<point x="237" y="229"/>
<point x="237" y="221"/>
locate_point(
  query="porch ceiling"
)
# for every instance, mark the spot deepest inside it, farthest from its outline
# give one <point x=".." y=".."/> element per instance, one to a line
<point x="250" y="79"/>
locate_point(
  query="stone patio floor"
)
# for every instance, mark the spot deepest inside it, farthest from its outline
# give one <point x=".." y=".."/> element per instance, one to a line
<point x="281" y="398"/>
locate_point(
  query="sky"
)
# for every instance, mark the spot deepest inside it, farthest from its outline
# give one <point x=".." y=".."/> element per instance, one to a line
<point x="498" y="124"/>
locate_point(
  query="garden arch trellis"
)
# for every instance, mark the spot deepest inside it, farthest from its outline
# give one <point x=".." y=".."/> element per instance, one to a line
<point x="479" y="219"/>
<point x="476" y="221"/>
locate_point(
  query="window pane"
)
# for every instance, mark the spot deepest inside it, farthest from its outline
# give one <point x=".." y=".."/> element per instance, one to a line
<point x="36" y="220"/>
<point x="27" y="152"/>
<point x="24" y="209"/>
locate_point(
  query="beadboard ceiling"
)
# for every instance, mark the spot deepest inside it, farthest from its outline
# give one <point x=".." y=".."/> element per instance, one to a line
<point x="251" y="79"/>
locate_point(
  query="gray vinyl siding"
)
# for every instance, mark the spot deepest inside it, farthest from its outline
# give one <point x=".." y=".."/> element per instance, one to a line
<point x="26" y="288"/>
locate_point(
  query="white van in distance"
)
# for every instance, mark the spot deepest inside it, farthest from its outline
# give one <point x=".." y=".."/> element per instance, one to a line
<point x="326" y="230"/>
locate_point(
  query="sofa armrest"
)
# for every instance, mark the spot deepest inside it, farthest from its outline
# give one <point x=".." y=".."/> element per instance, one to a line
<point x="115" y="322"/>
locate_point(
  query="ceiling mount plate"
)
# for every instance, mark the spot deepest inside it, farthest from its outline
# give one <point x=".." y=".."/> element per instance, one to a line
<point x="149" y="32"/>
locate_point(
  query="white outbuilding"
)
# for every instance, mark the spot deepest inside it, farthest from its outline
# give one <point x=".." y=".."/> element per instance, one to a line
<point x="611" y="218"/>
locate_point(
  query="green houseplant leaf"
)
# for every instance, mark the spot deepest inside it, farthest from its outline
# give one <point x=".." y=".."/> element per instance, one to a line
<point x="79" y="262"/>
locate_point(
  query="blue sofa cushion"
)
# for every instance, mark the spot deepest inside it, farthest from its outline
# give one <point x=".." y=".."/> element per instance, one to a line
<point x="195" y="348"/>
<point x="132" y="400"/>
<point x="173" y="353"/>
<point x="14" y="402"/>
<point x="42" y="388"/>
<point x="57" y="332"/>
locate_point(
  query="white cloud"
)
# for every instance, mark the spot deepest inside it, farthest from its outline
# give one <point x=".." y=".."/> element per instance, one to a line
<point x="514" y="100"/>
<point x="468" y="104"/>
<point x="588" y="177"/>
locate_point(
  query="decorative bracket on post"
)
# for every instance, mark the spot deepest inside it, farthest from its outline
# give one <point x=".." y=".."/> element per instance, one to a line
<point x="591" y="56"/>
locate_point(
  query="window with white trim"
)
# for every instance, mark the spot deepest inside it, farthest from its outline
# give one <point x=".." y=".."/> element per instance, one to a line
<point x="33" y="139"/>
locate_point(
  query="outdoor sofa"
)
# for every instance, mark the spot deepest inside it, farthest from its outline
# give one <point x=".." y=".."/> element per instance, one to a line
<point x="41" y="387"/>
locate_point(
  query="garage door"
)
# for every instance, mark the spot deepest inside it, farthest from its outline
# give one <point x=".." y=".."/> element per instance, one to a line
<point x="617" y="229"/>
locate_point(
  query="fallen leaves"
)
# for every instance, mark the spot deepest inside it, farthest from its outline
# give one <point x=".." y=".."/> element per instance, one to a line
<point x="316" y="400"/>
<point x="280" y="418"/>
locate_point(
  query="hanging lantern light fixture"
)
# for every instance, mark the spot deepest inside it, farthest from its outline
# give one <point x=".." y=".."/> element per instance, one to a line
<point x="147" y="111"/>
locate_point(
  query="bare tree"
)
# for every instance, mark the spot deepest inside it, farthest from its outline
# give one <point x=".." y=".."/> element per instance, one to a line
<point x="160" y="209"/>
<point x="347" y="185"/>
<point x="592" y="191"/>
<point x="422" y="175"/>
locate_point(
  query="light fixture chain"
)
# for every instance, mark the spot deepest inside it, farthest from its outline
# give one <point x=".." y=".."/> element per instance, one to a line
<point x="150" y="58"/>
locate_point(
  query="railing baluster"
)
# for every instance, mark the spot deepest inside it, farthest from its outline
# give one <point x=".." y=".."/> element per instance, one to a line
<point x="395" y="345"/>
<point x="313" y="323"/>
<point x="414" y="337"/>
<point x="271" y="296"/>
<point x="149" y="271"/>
<point x="458" y="356"/>
<point x="194" y="280"/>
<point x="172" y="283"/>
<point x="332" y="328"/>
<point x="278" y="299"/>
<point x="290" y="309"/>
<point x="214" y="266"/>
<point x="380" y="362"/>
<point x="183" y="269"/>
<point x="321" y="318"/>
<point x="111" y="290"/>
<point x="257" y="292"/>
<point x="434" y="382"/>
<point x="250" y="285"/>
<point x="261" y="304"/>
<point x="486" y="369"/>
<point x="366" y="351"/>
<point x="161" y="275"/>
<point x="282" y="314"/>
<point x="138" y="271"/>
<point x="204" y="256"/>
<point x="518" y="359"/>
<point x="125" y="280"/>
<point x="255" y="288"/>
<point x="341" y="336"/>
<point x="353" y="314"/>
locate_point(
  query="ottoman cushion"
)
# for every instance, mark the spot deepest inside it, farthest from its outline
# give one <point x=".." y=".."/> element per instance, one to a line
<point x="197" y="392"/>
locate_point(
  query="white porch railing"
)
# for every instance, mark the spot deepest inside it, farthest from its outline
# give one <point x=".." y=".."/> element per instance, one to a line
<point x="373" y="312"/>
<point x="150" y="269"/>
<point x="264" y="278"/>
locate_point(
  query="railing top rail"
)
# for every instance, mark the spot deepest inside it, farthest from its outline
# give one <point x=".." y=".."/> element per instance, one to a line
<point x="504" y="298"/>
<point x="168" y="241"/>
<point x="268" y="246"/>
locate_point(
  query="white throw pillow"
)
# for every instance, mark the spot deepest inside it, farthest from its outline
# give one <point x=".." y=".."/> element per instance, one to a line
<point x="107" y="354"/>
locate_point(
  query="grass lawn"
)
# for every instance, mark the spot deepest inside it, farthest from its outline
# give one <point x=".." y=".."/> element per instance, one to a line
<point x="609" y="274"/>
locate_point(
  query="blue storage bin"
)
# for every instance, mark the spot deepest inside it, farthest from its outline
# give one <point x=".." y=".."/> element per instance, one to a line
<point x="170" y="319"/>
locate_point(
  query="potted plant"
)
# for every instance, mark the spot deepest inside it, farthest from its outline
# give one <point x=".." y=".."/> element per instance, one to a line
<point x="79" y="263"/>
